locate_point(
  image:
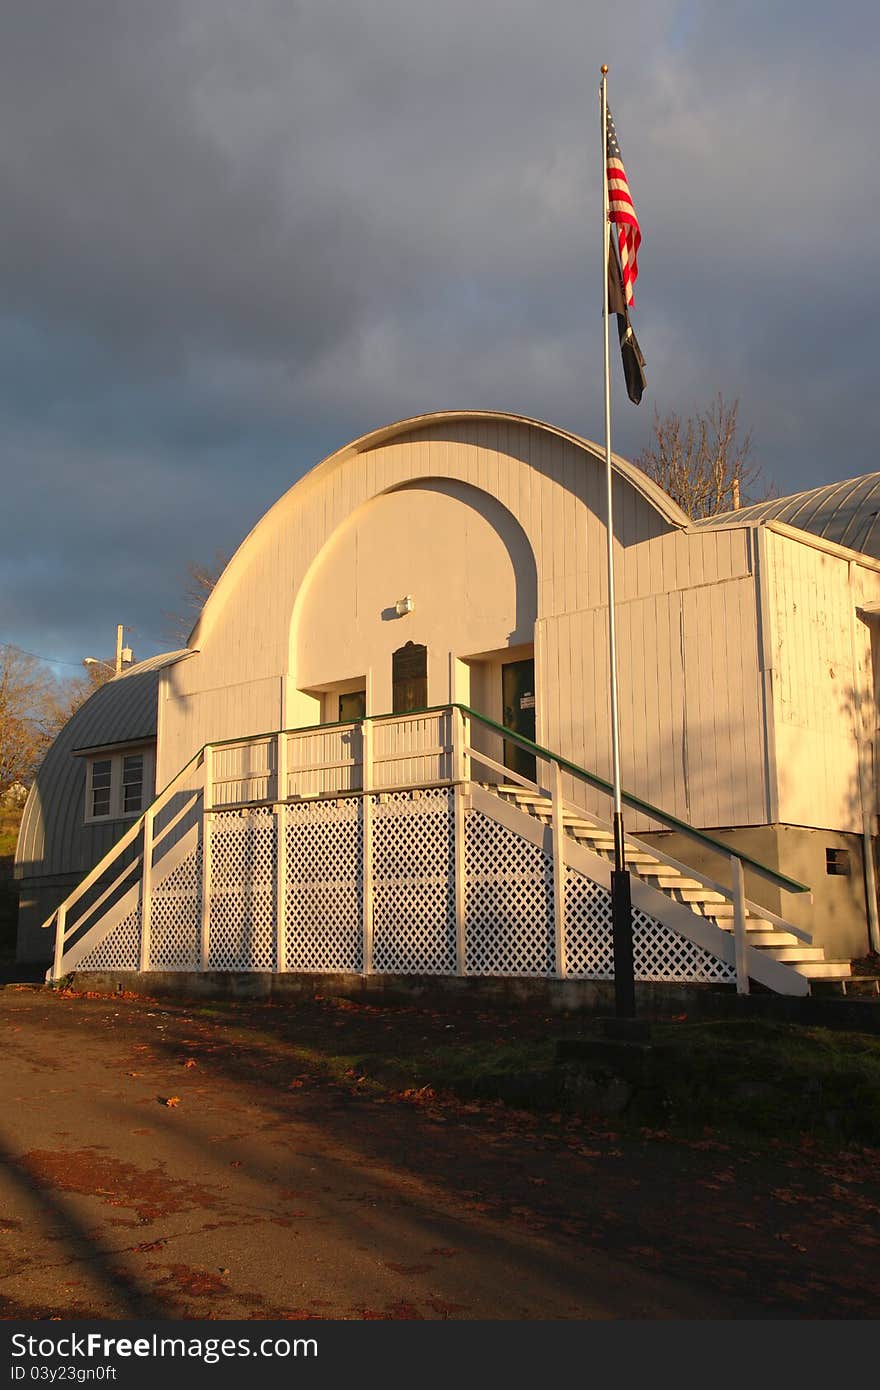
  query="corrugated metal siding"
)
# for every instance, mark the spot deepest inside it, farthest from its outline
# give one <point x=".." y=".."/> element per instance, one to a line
<point x="847" y="513"/>
<point x="54" y="838"/>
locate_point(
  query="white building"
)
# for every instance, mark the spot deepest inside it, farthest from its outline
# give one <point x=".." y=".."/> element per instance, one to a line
<point x="455" y="563"/>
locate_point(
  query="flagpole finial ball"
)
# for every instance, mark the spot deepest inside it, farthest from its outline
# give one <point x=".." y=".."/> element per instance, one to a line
<point x="604" y="69"/>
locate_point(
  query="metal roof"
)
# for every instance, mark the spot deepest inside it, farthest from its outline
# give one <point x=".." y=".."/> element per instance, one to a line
<point x="847" y="513"/>
<point x="54" y="838"/>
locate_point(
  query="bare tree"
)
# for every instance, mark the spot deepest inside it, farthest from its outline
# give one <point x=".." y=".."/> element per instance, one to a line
<point x="34" y="706"/>
<point x="199" y="583"/>
<point x="703" y="463"/>
<point x="23" y="737"/>
<point x="62" y="699"/>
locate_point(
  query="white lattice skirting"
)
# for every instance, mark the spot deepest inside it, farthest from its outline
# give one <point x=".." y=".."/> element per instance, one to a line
<point x="408" y="921"/>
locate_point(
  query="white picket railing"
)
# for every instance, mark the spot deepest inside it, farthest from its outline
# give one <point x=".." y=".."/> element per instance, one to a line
<point x="370" y="846"/>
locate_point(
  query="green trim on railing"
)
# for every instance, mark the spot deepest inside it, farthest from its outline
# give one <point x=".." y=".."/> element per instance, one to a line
<point x="636" y="802"/>
<point x="334" y="724"/>
<point x="791" y="885"/>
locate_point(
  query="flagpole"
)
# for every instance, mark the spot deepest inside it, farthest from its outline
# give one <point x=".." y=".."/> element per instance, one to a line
<point x="621" y="897"/>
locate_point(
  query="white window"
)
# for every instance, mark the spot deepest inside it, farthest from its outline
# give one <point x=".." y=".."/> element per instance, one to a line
<point x="133" y="784"/>
<point x="118" y="785"/>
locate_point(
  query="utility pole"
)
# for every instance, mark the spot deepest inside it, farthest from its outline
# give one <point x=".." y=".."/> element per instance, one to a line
<point x="123" y="654"/>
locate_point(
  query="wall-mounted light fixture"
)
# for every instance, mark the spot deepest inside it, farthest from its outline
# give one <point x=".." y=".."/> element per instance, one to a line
<point x="404" y="606"/>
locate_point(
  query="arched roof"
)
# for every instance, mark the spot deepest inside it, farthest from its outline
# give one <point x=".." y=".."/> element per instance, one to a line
<point x="639" y="480"/>
<point x="54" y="838"/>
<point x="847" y="513"/>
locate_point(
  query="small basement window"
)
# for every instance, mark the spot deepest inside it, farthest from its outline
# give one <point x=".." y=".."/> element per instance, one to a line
<point x="837" y="862"/>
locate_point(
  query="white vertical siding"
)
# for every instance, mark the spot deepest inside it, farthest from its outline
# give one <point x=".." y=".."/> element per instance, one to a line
<point x="192" y="719"/>
<point x="724" y="712"/>
<point x="814" y="685"/>
<point x="689" y="700"/>
<point x="555" y="490"/>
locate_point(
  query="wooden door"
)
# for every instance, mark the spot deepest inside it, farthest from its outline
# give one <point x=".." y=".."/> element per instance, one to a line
<point x="409" y="678"/>
<point x="518" y="703"/>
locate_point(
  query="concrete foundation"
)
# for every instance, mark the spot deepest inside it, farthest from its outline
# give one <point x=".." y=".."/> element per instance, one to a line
<point x="562" y="997"/>
<point x="836" y="916"/>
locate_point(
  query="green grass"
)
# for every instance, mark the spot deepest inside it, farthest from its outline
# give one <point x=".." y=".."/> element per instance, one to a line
<point x="748" y="1080"/>
<point x="8" y="891"/>
<point x="10" y="820"/>
<point x="771" y="1079"/>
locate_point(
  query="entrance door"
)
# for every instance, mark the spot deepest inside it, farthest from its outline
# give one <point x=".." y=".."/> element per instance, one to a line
<point x="409" y="678"/>
<point x="518" y="702"/>
<point x="352" y="706"/>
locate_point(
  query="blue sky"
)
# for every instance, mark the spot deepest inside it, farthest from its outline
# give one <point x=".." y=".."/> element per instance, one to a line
<point x="236" y="236"/>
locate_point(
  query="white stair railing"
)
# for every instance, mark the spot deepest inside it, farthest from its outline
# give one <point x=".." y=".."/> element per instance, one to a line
<point x="557" y="765"/>
<point x="82" y="919"/>
<point x="371" y="761"/>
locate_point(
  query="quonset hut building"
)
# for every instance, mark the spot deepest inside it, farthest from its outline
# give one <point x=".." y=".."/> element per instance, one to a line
<point x="385" y="748"/>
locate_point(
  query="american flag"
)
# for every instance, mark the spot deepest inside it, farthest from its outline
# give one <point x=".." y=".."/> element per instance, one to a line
<point x="622" y="213"/>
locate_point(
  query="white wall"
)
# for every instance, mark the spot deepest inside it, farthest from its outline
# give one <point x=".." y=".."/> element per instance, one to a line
<point x="822" y="679"/>
<point x="689" y="698"/>
<point x="455" y="551"/>
<point x="496" y="528"/>
<point x="551" y="485"/>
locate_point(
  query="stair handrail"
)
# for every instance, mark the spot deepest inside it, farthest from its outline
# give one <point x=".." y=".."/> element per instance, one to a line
<point x="591" y="778"/>
<point x="659" y="855"/>
<point x="791" y="885"/>
<point x="123" y="842"/>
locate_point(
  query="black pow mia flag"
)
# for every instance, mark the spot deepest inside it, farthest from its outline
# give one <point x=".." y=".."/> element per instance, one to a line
<point x="633" y="361"/>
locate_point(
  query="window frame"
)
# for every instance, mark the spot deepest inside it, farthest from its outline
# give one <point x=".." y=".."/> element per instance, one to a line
<point x="117" y="758"/>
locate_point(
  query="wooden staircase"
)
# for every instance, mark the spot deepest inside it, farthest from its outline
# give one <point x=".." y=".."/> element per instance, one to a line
<point x="197" y="881"/>
<point x="767" y="934"/>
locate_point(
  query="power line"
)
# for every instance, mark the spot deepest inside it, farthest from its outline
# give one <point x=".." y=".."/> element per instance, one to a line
<point x="49" y="660"/>
<point x="59" y="661"/>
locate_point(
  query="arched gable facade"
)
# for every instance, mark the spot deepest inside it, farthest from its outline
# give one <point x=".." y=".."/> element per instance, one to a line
<point x="493" y="525"/>
<point x="461" y="557"/>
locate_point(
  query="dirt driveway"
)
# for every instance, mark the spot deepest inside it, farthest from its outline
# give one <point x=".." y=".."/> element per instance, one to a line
<point x="175" y="1160"/>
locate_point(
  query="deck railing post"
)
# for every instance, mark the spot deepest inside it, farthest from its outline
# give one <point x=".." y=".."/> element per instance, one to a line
<point x="457" y="744"/>
<point x="146" y="891"/>
<point x="207" y="805"/>
<point x="739" y="925"/>
<point x="458" y="850"/>
<point x="459" y="773"/>
<point x="558" y="867"/>
<point x="367" y="843"/>
<point x="281" y="851"/>
<point x="60" y="929"/>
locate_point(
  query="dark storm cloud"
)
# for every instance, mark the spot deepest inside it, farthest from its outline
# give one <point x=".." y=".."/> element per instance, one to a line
<point x="235" y="236"/>
<point x="124" y="217"/>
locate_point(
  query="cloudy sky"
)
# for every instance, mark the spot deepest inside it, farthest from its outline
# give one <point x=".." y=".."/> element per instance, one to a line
<point x="235" y="236"/>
